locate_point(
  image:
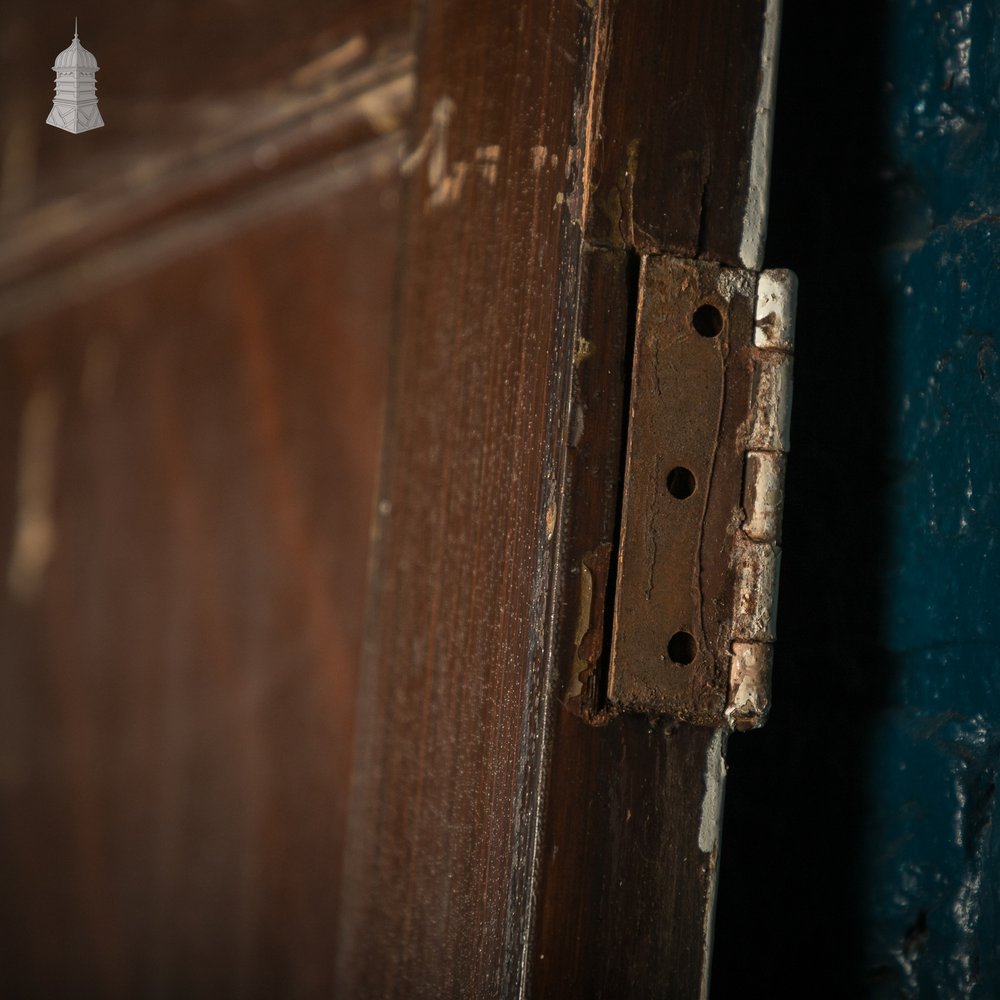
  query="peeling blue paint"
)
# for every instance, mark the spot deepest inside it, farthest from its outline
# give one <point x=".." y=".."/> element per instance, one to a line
<point x="933" y="860"/>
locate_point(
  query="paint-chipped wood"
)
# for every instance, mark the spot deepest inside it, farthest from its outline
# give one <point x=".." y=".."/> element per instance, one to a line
<point x="629" y="860"/>
<point x="457" y="698"/>
<point x="680" y="128"/>
<point x="592" y="477"/>
<point x="183" y="626"/>
<point x="523" y="848"/>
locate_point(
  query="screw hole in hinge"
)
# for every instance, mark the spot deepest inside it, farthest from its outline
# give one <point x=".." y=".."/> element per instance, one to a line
<point x="707" y="321"/>
<point x="681" y="482"/>
<point x="682" y="648"/>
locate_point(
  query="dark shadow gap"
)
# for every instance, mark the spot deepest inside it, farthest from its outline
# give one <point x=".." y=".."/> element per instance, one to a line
<point x="790" y="917"/>
<point x="633" y="269"/>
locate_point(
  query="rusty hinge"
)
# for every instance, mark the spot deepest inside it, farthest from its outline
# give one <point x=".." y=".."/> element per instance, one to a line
<point x="699" y="542"/>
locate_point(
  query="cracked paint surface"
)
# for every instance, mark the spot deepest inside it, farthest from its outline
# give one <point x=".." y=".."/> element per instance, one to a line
<point x="932" y="871"/>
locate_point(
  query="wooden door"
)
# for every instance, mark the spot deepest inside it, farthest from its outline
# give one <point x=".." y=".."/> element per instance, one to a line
<point x="221" y="772"/>
<point x="196" y="307"/>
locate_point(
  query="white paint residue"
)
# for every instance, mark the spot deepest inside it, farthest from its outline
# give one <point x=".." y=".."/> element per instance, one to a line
<point x="777" y="291"/>
<point x="446" y="183"/>
<point x="763" y="494"/>
<point x="34" y="532"/>
<point x="732" y="282"/>
<point x="708" y="842"/>
<point x="757" y="565"/>
<point x="433" y="147"/>
<point x="772" y="403"/>
<point x="380" y="109"/>
<point x="487" y="158"/>
<point x="746" y="700"/>
<point x="711" y="806"/>
<point x="755" y="213"/>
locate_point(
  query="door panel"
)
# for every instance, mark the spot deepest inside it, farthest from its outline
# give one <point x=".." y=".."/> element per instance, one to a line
<point x="192" y="379"/>
<point x="221" y="773"/>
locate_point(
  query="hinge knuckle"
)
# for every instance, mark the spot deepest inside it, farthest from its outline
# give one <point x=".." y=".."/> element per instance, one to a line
<point x="749" y="685"/>
<point x="774" y="316"/>
<point x="763" y="495"/>
<point x="772" y="402"/>
<point x="754" y="605"/>
<point x="758" y="553"/>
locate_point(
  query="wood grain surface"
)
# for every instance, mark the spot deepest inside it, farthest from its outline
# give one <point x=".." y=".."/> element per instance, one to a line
<point x="176" y="81"/>
<point x="196" y="305"/>
<point x="455" y="697"/>
<point x="195" y="308"/>
<point x="676" y="87"/>
<point x="194" y="158"/>
<point x="180" y="658"/>
<point x="499" y="844"/>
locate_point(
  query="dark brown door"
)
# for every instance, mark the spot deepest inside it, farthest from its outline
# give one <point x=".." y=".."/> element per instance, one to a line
<point x="224" y="770"/>
<point x="196" y="303"/>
